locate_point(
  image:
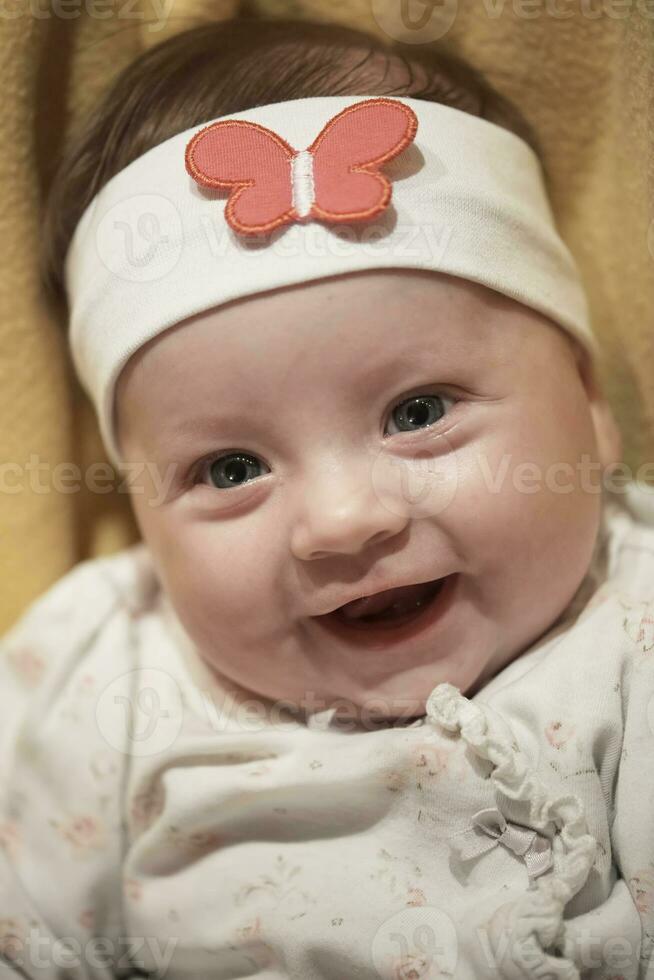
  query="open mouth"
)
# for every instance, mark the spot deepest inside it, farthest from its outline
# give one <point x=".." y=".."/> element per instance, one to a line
<point x="390" y="608"/>
<point x="393" y="615"/>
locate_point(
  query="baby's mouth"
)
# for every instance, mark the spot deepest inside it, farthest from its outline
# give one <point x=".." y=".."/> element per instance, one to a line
<point x="389" y="609"/>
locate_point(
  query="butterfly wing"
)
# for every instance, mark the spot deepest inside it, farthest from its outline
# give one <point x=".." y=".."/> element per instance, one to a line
<point x="255" y="163"/>
<point x="348" y="152"/>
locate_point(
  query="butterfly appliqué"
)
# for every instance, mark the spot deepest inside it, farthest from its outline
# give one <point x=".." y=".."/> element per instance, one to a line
<point x="337" y="179"/>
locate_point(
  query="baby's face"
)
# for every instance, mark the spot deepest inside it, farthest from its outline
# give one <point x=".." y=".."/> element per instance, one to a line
<point x="395" y="427"/>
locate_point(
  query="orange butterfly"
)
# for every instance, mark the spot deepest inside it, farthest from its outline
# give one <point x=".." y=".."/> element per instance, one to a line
<point x="335" y="180"/>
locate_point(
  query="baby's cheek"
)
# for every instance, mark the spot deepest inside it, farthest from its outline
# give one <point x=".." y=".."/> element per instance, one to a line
<point x="533" y="473"/>
<point x="528" y="543"/>
<point x="499" y="494"/>
<point x="208" y="579"/>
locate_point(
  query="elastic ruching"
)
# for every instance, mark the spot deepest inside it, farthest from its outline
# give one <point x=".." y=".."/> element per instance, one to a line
<point x="536" y="920"/>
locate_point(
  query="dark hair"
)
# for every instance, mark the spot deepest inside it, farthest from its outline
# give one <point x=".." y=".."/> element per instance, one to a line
<point x="222" y="68"/>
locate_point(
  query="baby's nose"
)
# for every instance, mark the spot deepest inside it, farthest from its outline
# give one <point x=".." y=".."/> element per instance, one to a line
<point x="343" y="514"/>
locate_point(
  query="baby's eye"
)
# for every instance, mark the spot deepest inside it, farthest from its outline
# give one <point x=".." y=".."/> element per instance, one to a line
<point x="420" y="411"/>
<point x="230" y="470"/>
<point x="235" y="469"/>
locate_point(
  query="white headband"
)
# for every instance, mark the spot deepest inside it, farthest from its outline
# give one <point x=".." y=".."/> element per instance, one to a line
<point x="457" y="194"/>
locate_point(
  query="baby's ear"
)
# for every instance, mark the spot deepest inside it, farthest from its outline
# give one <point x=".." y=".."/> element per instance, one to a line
<point x="607" y="432"/>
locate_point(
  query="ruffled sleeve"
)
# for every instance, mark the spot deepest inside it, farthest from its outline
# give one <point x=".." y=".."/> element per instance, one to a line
<point x="584" y="769"/>
<point x="535" y="921"/>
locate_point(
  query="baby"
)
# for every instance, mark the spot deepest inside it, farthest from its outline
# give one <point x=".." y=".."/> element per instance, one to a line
<point x="374" y="697"/>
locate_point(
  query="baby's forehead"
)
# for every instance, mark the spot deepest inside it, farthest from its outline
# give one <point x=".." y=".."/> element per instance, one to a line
<point x="358" y="330"/>
<point x="250" y="366"/>
<point x="385" y="308"/>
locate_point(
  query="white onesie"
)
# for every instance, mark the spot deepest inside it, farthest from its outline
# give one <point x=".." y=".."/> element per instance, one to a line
<point x="146" y="826"/>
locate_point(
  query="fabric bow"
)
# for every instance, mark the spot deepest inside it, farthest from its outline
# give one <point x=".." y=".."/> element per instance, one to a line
<point x="524" y="842"/>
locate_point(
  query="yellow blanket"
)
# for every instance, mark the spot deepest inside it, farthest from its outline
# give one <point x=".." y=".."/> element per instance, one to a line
<point x="582" y="72"/>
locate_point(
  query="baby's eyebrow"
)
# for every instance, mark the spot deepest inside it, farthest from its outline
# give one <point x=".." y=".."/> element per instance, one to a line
<point x="256" y="414"/>
<point x="202" y="426"/>
<point x="376" y="375"/>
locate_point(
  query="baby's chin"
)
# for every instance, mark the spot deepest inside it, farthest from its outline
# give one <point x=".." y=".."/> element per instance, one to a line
<point x="389" y="705"/>
<point x="391" y="695"/>
<point x="400" y="698"/>
<point x="352" y="708"/>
